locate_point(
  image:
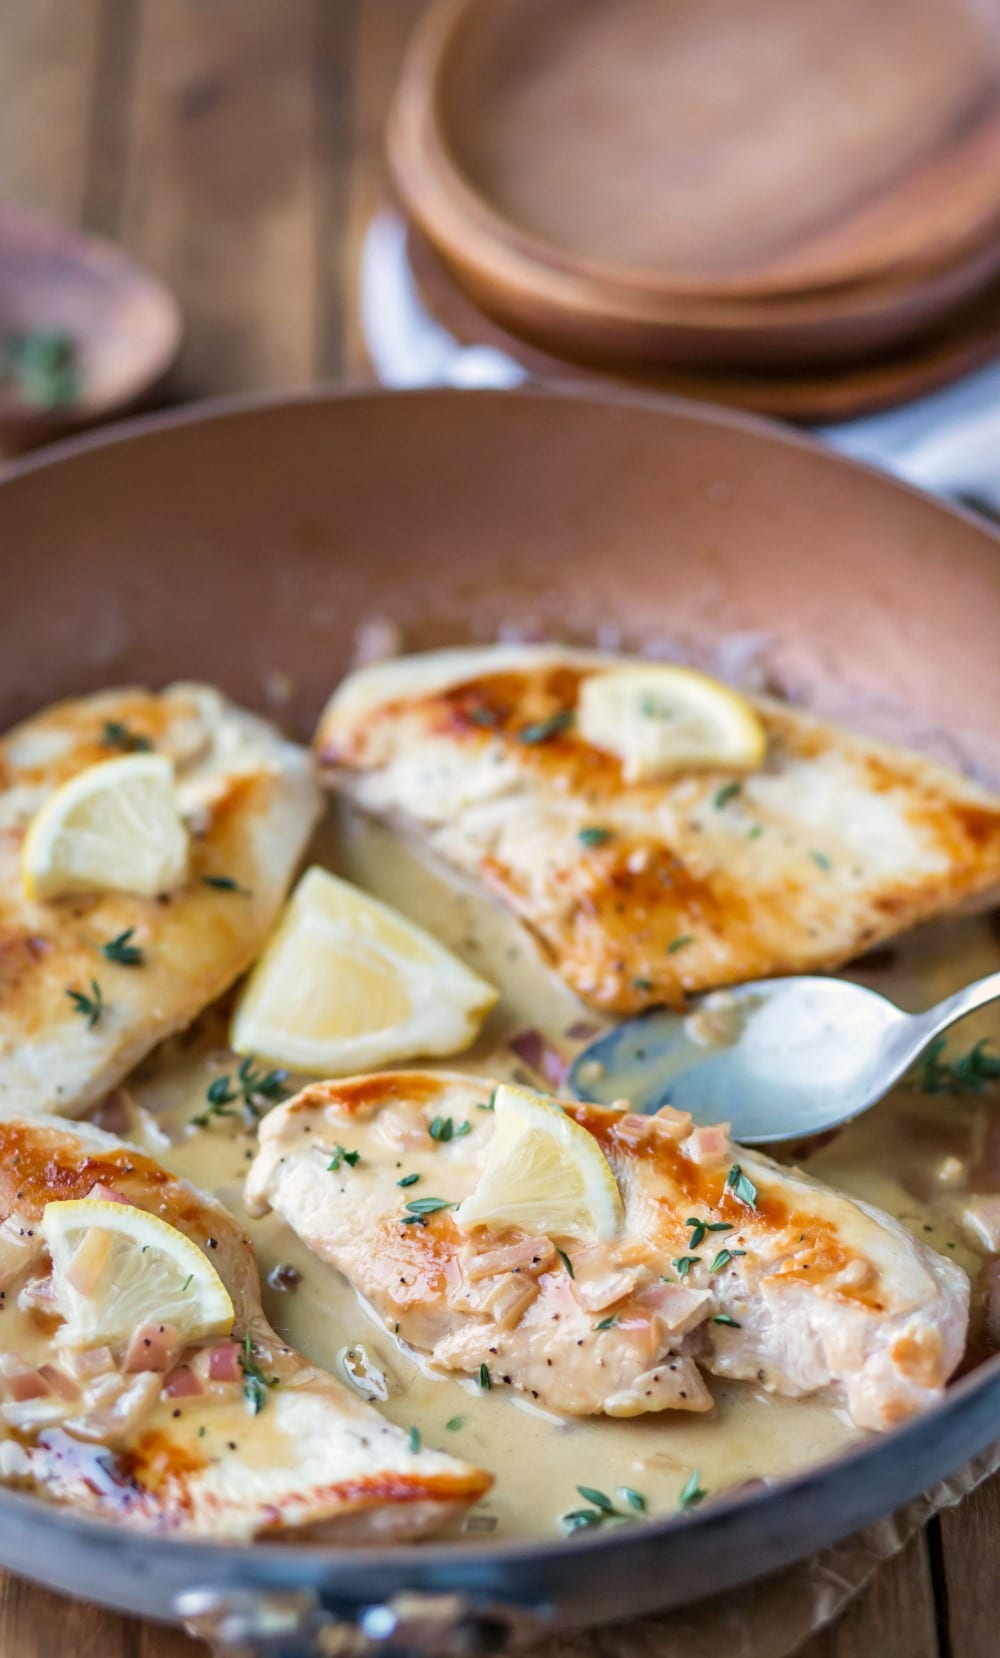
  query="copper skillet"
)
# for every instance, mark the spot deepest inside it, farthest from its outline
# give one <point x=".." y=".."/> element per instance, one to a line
<point x="256" y="536"/>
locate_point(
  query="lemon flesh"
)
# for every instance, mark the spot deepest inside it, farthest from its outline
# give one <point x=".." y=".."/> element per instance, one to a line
<point x="543" y="1174"/>
<point x="114" y="826"/>
<point x="347" y="984"/>
<point x="148" y="1272"/>
<point x="660" y="720"/>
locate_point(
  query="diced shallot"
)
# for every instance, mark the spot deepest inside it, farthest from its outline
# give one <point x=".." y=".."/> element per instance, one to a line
<point x="89" y="1362"/>
<point x="981" y="1217"/>
<point x="182" y="1384"/>
<point x="38" y="1295"/>
<point x="26" y="1384"/>
<point x="677" y="1308"/>
<point x="19" y="1244"/>
<point x="509" y="1298"/>
<point x="707" y="1145"/>
<point x="59" y="1381"/>
<point x="531" y="1047"/>
<point x="153" y="1347"/>
<point x="224" y="1362"/>
<point x="528" y="1255"/>
<point x="107" y="1194"/>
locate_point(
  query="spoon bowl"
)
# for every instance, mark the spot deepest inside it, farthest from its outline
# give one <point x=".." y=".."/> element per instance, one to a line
<point x="85" y="332"/>
<point x="779" y="1059"/>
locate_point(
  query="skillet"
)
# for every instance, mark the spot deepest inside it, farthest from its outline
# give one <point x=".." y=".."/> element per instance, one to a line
<point x="259" y="535"/>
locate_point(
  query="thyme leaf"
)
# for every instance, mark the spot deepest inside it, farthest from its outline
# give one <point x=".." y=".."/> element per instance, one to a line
<point x="89" y="1007"/>
<point x="121" y="951"/>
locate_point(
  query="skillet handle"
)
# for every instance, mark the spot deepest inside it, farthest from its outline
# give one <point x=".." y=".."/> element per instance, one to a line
<point x="295" y="1624"/>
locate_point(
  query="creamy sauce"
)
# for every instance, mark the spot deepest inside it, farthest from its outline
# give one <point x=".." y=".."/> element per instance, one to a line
<point x="911" y="1155"/>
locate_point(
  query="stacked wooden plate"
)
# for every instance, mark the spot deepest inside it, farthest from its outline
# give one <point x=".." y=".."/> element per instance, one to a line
<point x="768" y="191"/>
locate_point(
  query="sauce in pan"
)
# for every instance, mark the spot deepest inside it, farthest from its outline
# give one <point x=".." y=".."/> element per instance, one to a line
<point x="918" y="1155"/>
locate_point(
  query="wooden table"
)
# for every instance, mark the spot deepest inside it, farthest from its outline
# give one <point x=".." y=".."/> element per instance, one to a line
<point x="235" y="145"/>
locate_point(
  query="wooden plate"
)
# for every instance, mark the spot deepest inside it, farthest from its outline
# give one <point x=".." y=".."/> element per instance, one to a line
<point x="677" y="182"/>
<point x="964" y="343"/>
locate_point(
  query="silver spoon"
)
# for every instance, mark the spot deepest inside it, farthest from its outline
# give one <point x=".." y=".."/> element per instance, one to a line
<point x="777" y="1060"/>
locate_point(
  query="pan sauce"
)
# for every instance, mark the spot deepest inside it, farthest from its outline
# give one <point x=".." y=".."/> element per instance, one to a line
<point x="913" y="1155"/>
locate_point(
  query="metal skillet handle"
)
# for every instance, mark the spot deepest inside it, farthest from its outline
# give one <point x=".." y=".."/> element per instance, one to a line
<point x="295" y="1624"/>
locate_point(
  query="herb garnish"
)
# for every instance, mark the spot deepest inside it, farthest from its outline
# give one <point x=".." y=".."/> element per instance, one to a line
<point x="187" y="1282"/>
<point x="419" y="1208"/>
<point x="341" y="1155"/>
<point x="442" y="1128"/>
<point x="642" y="984"/>
<point x="116" y="734"/>
<point x="485" y="1379"/>
<point x="967" y="1075"/>
<point x="607" y="1323"/>
<point x="41" y="365"/>
<point x="120" y="951"/>
<point x="635" y="1499"/>
<point x="724" y="1318"/>
<point x="483" y="716"/>
<point x="250" y="1086"/>
<point x="821" y="860"/>
<point x="408" y="1180"/>
<point x="741" y="1187"/>
<point x="684" y="1263"/>
<point x="490" y="1104"/>
<point x="255" y="1383"/>
<point x="454" y="1423"/>
<point x="414" y="1440"/>
<point x="224" y="883"/>
<point x="723" y="796"/>
<point x="755" y="833"/>
<point x="567" y="1263"/>
<point x="539" y="731"/>
<point x="602" y="1508"/>
<point x="88" y="1007"/>
<point x="698" y="1230"/>
<point x="692" y="1492"/>
<point x="724" y="1257"/>
<point x="679" y="943"/>
<point x="593" y="836"/>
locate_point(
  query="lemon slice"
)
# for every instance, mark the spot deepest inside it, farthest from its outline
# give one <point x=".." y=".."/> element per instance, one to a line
<point x="660" y="720"/>
<point x="114" y="825"/>
<point x="347" y="984"/>
<point x="544" y="1173"/>
<point x="115" y="1267"/>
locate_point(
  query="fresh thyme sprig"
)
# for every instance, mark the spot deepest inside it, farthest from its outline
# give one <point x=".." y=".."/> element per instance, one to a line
<point x="90" y="1007"/>
<point x="121" y="951"/>
<point x="968" y="1074"/>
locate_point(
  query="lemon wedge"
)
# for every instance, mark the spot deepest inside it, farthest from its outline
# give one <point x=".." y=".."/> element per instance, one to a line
<point x="347" y="984"/>
<point x="544" y="1173"/>
<point x="114" y="825"/>
<point x="115" y="1267"/>
<point x="659" y="720"/>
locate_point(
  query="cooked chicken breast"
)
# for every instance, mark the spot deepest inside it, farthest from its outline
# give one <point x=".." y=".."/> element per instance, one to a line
<point x="645" y="892"/>
<point x="762" y="1275"/>
<point x="250" y="803"/>
<point x="187" y="1446"/>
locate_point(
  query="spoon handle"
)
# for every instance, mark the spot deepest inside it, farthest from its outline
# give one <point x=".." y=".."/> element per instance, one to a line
<point x="937" y="1019"/>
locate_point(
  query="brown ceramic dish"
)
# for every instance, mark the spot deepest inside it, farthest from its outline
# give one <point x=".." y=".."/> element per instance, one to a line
<point x="649" y="181"/>
<point x="121" y="326"/>
<point x="258" y="536"/>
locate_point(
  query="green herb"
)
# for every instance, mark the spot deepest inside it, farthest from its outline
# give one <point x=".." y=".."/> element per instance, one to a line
<point x="598" y="1498"/>
<point x="454" y="1423"/>
<point x="116" y="734"/>
<point x="967" y="1075"/>
<point x="485" y="1379"/>
<point x="821" y="860"/>
<point x="643" y="984"/>
<point x="414" y="1440"/>
<point x="653" y="710"/>
<point x="679" y="943"/>
<point x="88" y="1007"/>
<point x="186" y="1282"/>
<point x="483" y="716"/>
<point x="41" y="365"/>
<point x="606" y="1323"/>
<point x="593" y="836"/>
<point x="259" y="1085"/>
<point x="340" y="1155"/>
<point x="119" y="950"/>
<point x="724" y="1318"/>
<point x="541" y="730"/>
<point x="724" y="1257"/>
<point x="683" y="1264"/>
<point x="635" y="1499"/>
<point x="490" y="1104"/>
<point x="719" y="1226"/>
<point x="698" y="1230"/>
<point x="567" y="1263"/>
<point x="692" y="1493"/>
<point x="255" y="1383"/>
<point x="225" y="883"/>
<point x="442" y="1128"/>
<point x="755" y="833"/>
<point x="578" y="1518"/>
<point x="723" y="796"/>
<point x="463" y="1129"/>
<point x="741" y="1187"/>
<point x="428" y="1205"/>
<point x="408" y="1180"/>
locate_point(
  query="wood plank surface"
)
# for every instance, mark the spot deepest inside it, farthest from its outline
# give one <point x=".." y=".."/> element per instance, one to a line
<point x="235" y="145"/>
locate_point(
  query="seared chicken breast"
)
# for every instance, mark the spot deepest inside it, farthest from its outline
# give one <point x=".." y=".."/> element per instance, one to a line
<point x="643" y="892"/>
<point x="250" y="804"/>
<point x="241" y="1438"/>
<point x="725" y="1263"/>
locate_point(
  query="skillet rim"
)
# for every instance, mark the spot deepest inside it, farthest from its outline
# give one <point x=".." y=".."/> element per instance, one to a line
<point x="466" y="1568"/>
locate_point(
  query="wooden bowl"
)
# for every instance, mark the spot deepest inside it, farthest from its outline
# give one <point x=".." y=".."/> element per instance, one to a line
<point x="117" y="326"/>
<point x="530" y="145"/>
